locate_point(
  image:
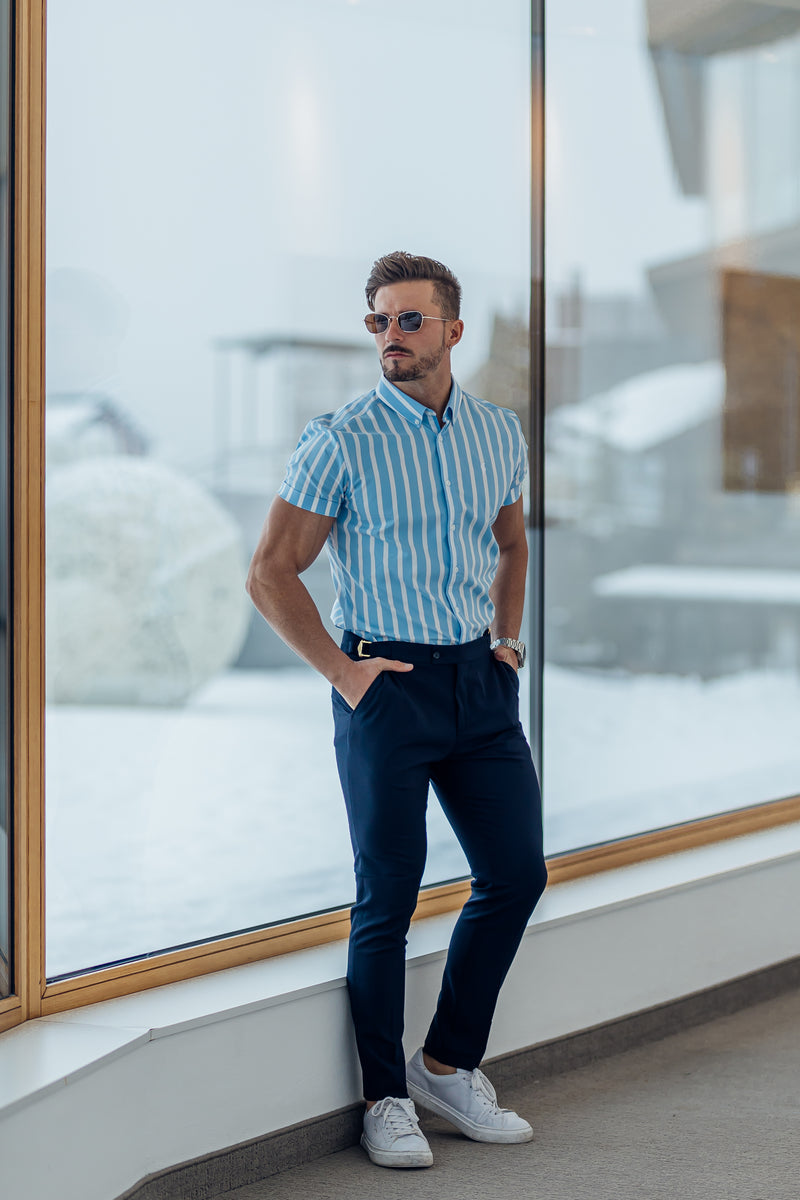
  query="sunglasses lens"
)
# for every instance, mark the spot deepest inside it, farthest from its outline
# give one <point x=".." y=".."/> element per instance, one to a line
<point x="410" y="322"/>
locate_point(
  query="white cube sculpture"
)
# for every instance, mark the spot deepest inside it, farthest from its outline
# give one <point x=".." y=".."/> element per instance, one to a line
<point x="145" y="584"/>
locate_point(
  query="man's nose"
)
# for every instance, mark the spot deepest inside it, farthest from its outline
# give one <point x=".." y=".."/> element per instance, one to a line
<point x="398" y="330"/>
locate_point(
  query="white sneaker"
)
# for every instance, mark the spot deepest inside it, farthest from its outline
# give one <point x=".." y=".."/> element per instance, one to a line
<point x="392" y="1136"/>
<point x="468" y="1101"/>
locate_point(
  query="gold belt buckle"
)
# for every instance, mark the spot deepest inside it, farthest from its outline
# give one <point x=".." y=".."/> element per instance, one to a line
<point x="360" y="648"/>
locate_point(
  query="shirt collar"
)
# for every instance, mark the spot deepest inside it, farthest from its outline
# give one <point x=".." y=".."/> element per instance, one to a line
<point x="411" y="409"/>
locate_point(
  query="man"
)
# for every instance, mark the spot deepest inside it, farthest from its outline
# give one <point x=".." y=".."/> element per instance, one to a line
<point x="415" y="488"/>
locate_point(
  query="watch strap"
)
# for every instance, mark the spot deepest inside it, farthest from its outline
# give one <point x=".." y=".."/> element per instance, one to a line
<point x="518" y="647"/>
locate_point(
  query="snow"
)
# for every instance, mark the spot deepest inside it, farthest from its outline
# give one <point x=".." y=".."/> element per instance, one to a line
<point x="167" y="826"/>
<point x="144" y="583"/>
<point x="624" y="753"/>
<point x="648" y="409"/>
<point x="730" y="585"/>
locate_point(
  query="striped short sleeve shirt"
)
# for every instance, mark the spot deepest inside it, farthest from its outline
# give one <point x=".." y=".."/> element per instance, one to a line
<point x="411" y="548"/>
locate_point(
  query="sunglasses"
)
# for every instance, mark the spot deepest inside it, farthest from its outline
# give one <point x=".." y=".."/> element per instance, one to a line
<point x="409" y="322"/>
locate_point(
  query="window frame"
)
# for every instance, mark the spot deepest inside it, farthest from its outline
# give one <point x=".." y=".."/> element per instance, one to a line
<point x="35" y="997"/>
<point x="27" y="491"/>
<point x="6" y="307"/>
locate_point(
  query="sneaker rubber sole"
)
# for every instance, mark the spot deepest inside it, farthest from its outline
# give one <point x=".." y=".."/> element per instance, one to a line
<point x="397" y="1158"/>
<point x="471" y="1129"/>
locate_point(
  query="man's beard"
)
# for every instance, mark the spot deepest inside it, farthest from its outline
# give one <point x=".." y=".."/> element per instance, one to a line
<point x="406" y="370"/>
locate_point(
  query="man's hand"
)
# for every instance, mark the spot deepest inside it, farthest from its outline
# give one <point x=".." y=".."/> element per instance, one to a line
<point x="507" y="655"/>
<point x="358" y="677"/>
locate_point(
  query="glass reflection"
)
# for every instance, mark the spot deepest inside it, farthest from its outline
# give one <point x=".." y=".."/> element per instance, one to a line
<point x="208" y="240"/>
<point x="673" y="249"/>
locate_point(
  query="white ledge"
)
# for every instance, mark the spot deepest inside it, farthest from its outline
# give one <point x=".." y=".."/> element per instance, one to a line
<point x="596" y="949"/>
<point x="52" y="1051"/>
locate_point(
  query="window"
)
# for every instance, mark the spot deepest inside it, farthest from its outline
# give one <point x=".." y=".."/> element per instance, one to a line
<point x="208" y="240"/>
<point x="215" y="197"/>
<point x="672" y="685"/>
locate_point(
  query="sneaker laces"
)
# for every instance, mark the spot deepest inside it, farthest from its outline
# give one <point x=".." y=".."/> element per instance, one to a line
<point x="399" y="1116"/>
<point x="486" y="1092"/>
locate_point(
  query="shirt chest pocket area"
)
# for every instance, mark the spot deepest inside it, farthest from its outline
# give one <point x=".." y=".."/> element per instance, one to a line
<point x="371" y="512"/>
<point x="484" y="491"/>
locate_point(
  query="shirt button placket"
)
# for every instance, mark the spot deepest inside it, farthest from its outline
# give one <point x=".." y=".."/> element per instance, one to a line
<point x="448" y="494"/>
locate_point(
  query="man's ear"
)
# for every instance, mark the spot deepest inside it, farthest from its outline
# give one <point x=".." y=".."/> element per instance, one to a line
<point x="456" y="332"/>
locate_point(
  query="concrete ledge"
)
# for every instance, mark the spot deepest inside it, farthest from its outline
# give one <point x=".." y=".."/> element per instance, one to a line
<point x="250" y="1162"/>
<point x="196" y="1071"/>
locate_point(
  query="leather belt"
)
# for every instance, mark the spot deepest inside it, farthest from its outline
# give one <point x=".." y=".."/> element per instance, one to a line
<point x="415" y="652"/>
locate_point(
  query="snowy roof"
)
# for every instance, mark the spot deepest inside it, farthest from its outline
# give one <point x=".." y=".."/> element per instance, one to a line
<point x="648" y="409"/>
<point x="733" y="585"/>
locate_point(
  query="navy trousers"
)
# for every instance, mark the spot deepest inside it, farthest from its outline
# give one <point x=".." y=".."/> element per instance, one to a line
<point x="453" y="721"/>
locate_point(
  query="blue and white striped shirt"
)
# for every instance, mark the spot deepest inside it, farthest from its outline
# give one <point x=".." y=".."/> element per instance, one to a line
<point x="411" y="548"/>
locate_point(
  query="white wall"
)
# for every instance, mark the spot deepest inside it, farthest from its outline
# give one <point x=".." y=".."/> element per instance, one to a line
<point x="93" y="1100"/>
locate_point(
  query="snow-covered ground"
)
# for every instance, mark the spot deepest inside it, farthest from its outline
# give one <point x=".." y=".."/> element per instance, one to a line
<point x="166" y="826"/>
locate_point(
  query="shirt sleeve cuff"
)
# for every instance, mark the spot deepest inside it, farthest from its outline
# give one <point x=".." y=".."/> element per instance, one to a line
<point x="513" y="495"/>
<point x="309" y="501"/>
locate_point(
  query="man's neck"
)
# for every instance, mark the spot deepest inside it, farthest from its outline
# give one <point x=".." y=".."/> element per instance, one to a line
<point x="431" y="394"/>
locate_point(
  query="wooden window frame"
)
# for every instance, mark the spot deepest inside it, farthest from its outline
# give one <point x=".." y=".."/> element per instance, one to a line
<point x="35" y="997"/>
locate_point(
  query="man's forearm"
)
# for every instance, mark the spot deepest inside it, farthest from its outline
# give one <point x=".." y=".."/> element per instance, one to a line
<point x="286" y="604"/>
<point x="508" y="590"/>
<point x="290" y="542"/>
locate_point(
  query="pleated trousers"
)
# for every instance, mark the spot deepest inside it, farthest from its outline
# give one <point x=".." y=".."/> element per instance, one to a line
<point x="453" y="723"/>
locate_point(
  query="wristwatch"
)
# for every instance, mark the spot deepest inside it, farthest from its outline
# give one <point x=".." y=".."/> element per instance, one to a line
<point x="515" y="645"/>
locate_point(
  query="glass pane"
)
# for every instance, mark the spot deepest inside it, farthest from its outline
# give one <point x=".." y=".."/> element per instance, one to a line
<point x="672" y="685"/>
<point x="216" y="197"/>
<point x="5" y="379"/>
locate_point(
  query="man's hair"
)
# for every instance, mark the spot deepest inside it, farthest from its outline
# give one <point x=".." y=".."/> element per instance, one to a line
<point x="400" y="266"/>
